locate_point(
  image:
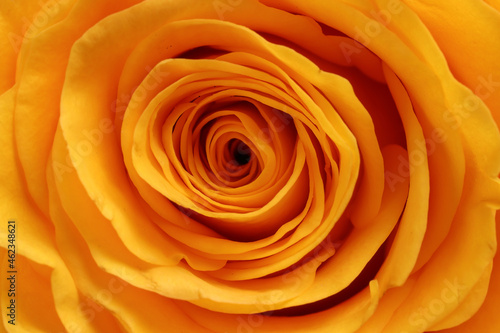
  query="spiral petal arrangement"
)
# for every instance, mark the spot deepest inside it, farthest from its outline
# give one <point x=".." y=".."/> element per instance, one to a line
<point x="196" y="166"/>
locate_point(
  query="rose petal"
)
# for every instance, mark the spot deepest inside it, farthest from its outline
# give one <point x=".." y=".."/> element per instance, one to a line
<point x="38" y="248"/>
<point x="351" y="258"/>
<point x="31" y="298"/>
<point x="344" y="318"/>
<point x="469" y="306"/>
<point x="471" y="57"/>
<point x="107" y="302"/>
<point x="41" y="73"/>
<point x="486" y="319"/>
<point x="400" y="260"/>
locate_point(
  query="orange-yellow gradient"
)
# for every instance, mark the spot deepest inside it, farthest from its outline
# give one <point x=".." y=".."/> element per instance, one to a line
<point x="250" y="165"/>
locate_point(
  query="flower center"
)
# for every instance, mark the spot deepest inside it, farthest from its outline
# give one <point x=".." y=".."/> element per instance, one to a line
<point x="241" y="153"/>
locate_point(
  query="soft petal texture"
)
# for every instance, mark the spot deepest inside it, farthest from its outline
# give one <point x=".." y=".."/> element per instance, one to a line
<point x="485" y="320"/>
<point x="267" y="166"/>
<point x="478" y="70"/>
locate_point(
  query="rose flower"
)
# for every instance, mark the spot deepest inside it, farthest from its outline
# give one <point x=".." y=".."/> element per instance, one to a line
<point x="249" y="165"/>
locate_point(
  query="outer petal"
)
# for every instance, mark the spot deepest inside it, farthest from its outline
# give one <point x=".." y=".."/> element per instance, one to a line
<point x="473" y="58"/>
<point x="486" y="319"/>
<point x="19" y="22"/>
<point x="109" y="303"/>
<point x="37" y="258"/>
<point x="40" y="74"/>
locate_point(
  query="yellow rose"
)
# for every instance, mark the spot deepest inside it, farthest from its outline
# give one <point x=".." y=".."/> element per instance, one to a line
<point x="249" y="166"/>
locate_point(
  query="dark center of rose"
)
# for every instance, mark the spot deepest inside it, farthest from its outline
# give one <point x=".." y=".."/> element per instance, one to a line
<point x="240" y="151"/>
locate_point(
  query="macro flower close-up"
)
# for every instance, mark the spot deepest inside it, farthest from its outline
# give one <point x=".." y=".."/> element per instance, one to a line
<point x="248" y="166"/>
